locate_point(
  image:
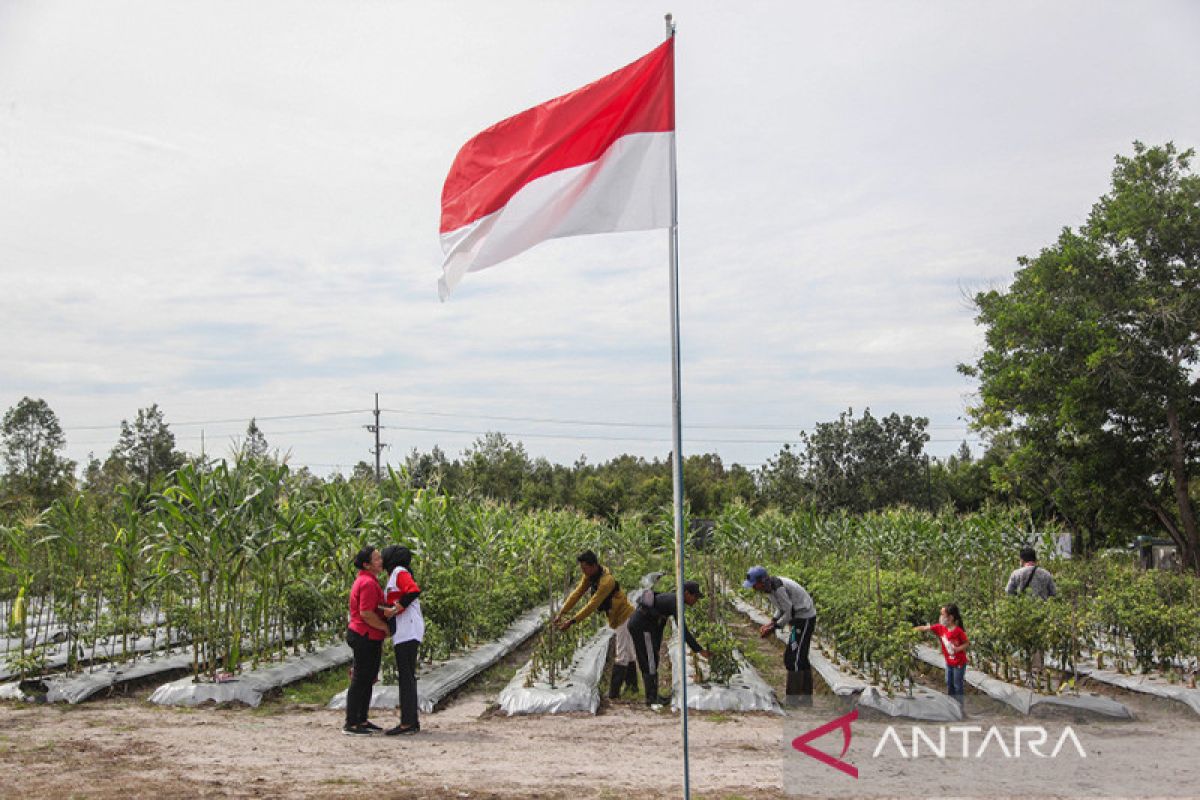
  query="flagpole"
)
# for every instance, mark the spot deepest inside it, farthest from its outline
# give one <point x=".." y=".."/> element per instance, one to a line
<point x="677" y="451"/>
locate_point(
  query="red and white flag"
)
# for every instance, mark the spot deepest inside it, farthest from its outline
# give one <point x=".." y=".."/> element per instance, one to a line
<point x="597" y="160"/>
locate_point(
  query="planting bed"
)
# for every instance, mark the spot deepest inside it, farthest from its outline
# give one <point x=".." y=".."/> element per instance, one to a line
<point x="575" y="690"/>
<point x="1026" y="700"/>
<point x="437" y="682"/>
<point x="249" y="687"/>
<point x="744" y="691"/>
<point x="924" y="704"/>
<point x="1153" y="685"/>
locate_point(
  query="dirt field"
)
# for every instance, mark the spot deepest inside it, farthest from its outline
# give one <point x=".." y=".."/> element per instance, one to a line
<point x="123" y="748"/>
<point x="126" y="748"/>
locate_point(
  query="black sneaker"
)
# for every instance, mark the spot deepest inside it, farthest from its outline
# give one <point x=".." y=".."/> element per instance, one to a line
<point x="401" y="730"/>
<point x="371" y="726"/>
<point x="357" y="730"/>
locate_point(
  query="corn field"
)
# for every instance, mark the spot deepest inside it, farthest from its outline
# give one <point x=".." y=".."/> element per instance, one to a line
<point x="242" y="563"/>
<point x="245" y="562"/>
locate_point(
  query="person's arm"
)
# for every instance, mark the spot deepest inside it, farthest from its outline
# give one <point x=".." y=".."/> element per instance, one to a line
<point x="1012" y="583"/>
<point x="573" y="598"/>
<point x="408" y="590"/>
<point x="782" y="600"/>
<point x="607" y="585"/>
<point x="1051" y="589"/>
<point x="369" y="602"/>
<point x="923" y="628"/>
<point x="372" y="618"/>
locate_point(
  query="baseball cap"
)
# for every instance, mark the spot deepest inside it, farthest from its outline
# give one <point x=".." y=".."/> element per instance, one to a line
<point x="754" y="575"/>
<point x="693" y="588"/>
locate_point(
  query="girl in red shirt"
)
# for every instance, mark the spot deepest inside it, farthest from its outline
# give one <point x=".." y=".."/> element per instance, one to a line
<point x="953" y="638"/>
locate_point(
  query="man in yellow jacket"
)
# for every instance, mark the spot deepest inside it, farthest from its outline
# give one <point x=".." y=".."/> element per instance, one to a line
<point x="608" y="597"/>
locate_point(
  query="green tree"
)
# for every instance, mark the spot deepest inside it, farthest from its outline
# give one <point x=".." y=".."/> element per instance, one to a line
<point x="33" y="439"/>
<point x="1091" y="357"/>
<point x="781" y="480"/>
<point x="103" y="477"/>
<point x="146" y="448"/>
<point x="867" y="463"/>
<point x="254" y="446"/>
<point x="430" y="470"/>
<point x="495" y="467"/>
<point x="363" y="473"/>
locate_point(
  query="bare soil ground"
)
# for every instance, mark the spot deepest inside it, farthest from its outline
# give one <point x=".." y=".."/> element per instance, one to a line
<point x="122" y="747"/>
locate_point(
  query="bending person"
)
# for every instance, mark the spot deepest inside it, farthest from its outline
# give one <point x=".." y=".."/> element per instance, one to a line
<point x="646" y="629"/>
<point x="793" y="606"/>
<point x="607" y="597"/>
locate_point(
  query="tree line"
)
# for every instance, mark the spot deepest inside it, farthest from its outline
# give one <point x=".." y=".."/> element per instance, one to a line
<point x="856" y="462"/>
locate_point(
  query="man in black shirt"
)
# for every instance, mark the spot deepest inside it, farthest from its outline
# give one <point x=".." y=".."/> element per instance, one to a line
<point x="646" y="626"/>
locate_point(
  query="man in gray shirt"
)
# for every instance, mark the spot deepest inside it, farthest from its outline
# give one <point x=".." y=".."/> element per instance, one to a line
<point x="1029" y="577"/>
<point x="793" y="606"/>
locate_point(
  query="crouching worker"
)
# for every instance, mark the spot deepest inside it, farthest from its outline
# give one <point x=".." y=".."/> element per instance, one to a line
<point x="646" y="628"/>
<point x="607" y="597"/>
<point x="794" y="607"/>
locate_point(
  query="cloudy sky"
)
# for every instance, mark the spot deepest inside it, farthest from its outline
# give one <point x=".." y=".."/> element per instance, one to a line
<point x="231" y="209"/>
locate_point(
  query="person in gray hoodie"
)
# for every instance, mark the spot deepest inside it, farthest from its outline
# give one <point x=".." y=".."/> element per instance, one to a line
<point x="793" y="606"/>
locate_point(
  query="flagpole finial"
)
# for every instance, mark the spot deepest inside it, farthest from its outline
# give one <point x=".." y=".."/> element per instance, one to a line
<point x="670" y="25"/>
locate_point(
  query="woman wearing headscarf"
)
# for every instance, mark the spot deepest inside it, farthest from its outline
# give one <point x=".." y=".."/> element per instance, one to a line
<point x="408" y="628"/>
<point x="365" y="634"/>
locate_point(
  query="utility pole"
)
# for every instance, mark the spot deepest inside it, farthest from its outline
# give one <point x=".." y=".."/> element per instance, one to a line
<point x="928" y="486"/>
<point x="378" y="446"/>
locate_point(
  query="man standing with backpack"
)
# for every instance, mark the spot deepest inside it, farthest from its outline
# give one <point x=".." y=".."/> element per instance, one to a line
<point x="1030" y="577"/>
<point x="608" y="598"/>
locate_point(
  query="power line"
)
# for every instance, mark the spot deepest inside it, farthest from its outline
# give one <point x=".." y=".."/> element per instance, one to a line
<point x="195" y="437"/>
<point x="497" y="417"/>
<point x="597" y="437"/>
<point x="229" y="421"/>
<point x="612" y="423"/>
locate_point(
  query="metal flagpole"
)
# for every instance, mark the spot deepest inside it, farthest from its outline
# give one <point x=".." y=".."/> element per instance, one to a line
<point x="677" y="452"/>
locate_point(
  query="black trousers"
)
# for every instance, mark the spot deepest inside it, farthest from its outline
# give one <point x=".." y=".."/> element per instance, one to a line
<point x="796" y="656"/>
<point x="367" y="656"/>
<point x="406" y="675"/>
<point x="647" y="635"/>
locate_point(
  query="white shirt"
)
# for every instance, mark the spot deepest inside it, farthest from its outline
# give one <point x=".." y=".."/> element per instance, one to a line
<point x="410" y="623"/>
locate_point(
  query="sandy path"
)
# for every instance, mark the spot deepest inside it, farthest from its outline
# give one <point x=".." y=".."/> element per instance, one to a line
<point x="123" y="748"/>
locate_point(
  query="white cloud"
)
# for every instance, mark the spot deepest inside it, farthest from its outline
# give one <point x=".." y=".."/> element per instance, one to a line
<point x="231" y="210"/>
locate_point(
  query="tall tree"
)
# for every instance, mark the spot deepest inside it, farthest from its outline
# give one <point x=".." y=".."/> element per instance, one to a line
<point x="432" y="470"/>
<point x="866" y="463"/>
<point x="495" y="467"/>
<point x="781" y="480"/>
<point x="1091" y="356"/>
<point x="254" y="446"/>
<point x="147" y="447"/>
<point x="33" y="439"/>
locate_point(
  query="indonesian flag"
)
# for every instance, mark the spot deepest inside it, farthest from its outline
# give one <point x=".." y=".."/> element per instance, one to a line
<point x="597" y="160"/>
